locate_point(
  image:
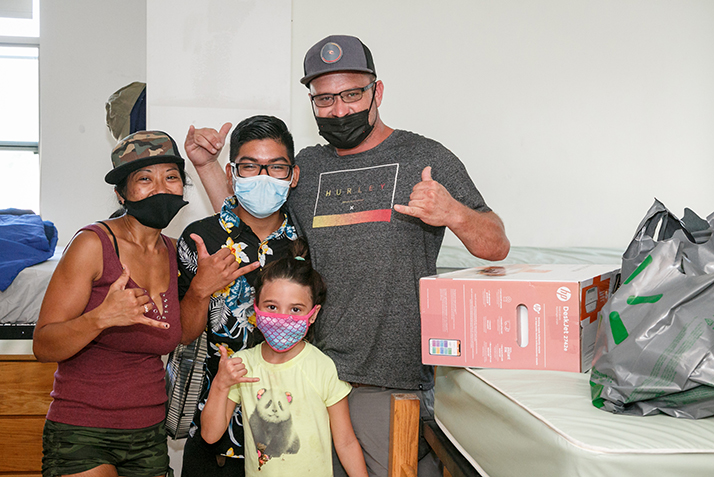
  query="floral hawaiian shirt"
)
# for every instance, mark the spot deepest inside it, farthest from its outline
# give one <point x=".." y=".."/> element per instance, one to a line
<point x="231" y="318"/>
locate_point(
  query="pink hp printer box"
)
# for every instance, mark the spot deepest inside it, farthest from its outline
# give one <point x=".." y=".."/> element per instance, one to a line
<point x="515" y="316"/>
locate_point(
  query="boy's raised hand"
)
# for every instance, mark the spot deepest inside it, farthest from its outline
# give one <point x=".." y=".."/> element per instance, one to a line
<point x="217" y="271"/>
<point x="203" y="145"/>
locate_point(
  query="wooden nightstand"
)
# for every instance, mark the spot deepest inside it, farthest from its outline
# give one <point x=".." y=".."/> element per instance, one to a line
<point x="25" y="386"/>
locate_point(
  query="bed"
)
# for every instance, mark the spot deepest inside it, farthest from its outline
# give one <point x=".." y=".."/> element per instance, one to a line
<point x="20" y="302"/>
<point x="26" y="383"/>
<point x="515" y="423"/>
<point x="504" y="422"/>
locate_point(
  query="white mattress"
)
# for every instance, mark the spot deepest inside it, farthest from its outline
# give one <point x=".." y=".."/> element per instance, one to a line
<point x="542" y="423"/>
<point x="20" y="305"/>
<point x="451" y="257"/>
<point x="20" y="302"/>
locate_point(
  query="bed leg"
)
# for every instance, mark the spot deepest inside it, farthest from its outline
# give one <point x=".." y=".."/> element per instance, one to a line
<point x="403" y="435"/>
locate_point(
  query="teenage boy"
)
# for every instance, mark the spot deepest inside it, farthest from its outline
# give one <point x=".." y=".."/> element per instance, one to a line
<point x="251" y="230"/>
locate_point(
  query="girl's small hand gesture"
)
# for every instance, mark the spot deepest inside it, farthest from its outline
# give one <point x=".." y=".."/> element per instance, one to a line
<point x="126" y="306"/>
<point x="231" y="371"/>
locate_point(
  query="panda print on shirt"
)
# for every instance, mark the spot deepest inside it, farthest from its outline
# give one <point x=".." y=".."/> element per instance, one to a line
<point x="272" y="426"/>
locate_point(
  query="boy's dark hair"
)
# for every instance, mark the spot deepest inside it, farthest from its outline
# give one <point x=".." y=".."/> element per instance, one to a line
<point x="261" y="127"/>
<point x="296" y="270"/>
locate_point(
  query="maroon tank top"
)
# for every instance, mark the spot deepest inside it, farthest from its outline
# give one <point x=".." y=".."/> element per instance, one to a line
<point x="117" y="380"/>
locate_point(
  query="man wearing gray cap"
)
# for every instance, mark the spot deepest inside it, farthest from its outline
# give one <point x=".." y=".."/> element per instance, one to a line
<point x="373" y="205"/>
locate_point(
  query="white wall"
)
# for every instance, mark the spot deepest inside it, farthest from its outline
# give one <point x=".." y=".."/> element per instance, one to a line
<point x="570" y="116"/>
<point x="221" y="63"/>
<point x="88" y="50"/>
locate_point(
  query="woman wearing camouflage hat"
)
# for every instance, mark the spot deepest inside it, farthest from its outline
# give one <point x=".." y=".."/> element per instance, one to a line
<point x="111" y="310"/>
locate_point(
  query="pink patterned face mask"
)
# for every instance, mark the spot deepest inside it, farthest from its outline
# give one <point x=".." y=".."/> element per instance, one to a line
<point x="282" y="332"/>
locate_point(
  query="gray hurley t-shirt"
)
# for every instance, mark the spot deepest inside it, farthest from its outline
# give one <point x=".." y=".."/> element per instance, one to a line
<point x="371" y="256"/>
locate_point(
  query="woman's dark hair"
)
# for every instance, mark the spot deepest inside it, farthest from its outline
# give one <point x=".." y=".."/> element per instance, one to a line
<point x="261" y="127"/>
<point x="122" y="188"/>
<point x="297" y="268"/>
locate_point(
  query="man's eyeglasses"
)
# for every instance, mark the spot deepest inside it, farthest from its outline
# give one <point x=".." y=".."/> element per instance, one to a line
<point x="251" y="169"/>
<point x="348" y="96"/>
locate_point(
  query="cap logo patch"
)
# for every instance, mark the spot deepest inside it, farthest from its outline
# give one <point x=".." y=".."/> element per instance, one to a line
<point x="331" y="53"/>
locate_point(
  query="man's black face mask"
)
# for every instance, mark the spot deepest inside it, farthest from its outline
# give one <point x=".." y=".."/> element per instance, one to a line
<point x="348" y="131"/>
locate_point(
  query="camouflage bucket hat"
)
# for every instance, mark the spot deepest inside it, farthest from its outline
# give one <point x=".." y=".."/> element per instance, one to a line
<point x="141" y="149"/>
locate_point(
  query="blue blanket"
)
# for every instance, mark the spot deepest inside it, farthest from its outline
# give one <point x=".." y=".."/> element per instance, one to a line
<point x="25" y="240"/>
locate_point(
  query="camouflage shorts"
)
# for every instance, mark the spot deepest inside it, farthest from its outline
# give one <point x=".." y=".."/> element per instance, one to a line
<point x="71" y="449"/>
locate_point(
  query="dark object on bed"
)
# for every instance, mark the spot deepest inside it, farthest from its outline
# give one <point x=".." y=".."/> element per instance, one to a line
<point x="12" y="331"/>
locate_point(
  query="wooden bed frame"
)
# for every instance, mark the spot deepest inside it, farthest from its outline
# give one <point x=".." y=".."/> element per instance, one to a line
<point x="455" y="464"/>
<point x="404" y="441"/>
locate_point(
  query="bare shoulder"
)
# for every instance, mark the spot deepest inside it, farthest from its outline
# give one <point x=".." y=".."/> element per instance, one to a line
<point x="83" y="256"/>
<point x="70" y="286"/>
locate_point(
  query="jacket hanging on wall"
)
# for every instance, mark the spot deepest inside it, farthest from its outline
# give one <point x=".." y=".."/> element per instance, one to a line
<point x="126" y="110"/>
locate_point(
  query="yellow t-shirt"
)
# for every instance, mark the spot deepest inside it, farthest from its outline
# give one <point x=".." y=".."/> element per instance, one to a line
<point x="287" y="427"/>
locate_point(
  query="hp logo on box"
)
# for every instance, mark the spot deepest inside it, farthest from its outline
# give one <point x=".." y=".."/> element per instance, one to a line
<point x="563" y="293"/>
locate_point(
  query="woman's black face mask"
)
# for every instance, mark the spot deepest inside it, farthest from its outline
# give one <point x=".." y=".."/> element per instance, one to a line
<point x="155" y="211"/>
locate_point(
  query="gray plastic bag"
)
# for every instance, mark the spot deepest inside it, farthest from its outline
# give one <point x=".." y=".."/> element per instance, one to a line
<point x="660" y="224"/>
<point x="654" y="350"/>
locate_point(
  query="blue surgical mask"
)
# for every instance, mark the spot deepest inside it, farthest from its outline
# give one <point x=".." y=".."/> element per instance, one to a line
<point x="260" y="195"/>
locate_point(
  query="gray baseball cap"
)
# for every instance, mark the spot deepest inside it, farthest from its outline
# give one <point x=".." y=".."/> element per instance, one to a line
<point x="337" y="53"/>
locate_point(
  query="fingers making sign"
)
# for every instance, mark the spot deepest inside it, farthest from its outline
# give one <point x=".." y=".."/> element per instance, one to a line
<point x="127" y="306"/>
<point x="429" y="201"/>
<point x="203" y="145"/>
<point x="219" y="270"/>
<point x="231" y="370"/>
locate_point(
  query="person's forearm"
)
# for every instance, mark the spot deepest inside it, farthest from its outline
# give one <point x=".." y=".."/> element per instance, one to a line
<point x="343" y="437"/>
<point x="55" y="342"/>
<point x="482" y="233"/>
<point x="352" y="459"/>
<point x="215" y="183"/>
<point x="214" y="417"/>
<point x="194" y="314"/>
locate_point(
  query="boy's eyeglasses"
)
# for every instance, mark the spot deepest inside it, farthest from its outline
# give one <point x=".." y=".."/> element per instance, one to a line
<point x="251" y="169"/>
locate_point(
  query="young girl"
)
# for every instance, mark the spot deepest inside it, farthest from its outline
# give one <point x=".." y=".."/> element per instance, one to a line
<point x="289" y="390"/>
